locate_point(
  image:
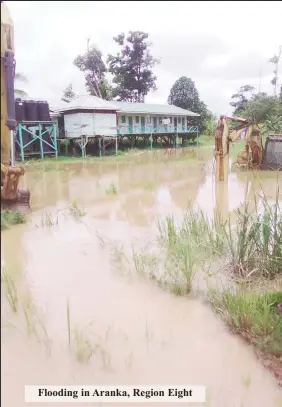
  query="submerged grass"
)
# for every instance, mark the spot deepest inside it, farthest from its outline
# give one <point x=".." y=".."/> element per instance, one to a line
<point x="83" y="348"/>
<point x="11" y="218"/>
<point x="187" y="246"/>
<point x="68" y="323"/>
<point x="76" y="210"/>
<point x="255" y="245"/>
<point x="112" y="189"/>
<point x="251" y="249"/>
<point x="21" y="303"/>
<point x="10" y="289"/>
<point x="253" y="315"/>
<point x="48" y="219"/>
<point x="78" y="342"/>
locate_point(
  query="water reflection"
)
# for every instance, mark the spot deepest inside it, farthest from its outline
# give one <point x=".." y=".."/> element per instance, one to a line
<point x="140" y="192"/>
<point x="127" y="318"/>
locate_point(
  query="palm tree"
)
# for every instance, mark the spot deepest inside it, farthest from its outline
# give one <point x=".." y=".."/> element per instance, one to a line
<point x="22" y="78"/>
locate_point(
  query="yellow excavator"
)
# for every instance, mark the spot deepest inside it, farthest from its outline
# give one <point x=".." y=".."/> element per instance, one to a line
<point x="254" y="155"/>
<point x="11" y="196"/>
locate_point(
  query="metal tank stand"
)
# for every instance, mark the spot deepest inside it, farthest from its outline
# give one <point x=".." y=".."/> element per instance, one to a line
<point x="36" y="132"/>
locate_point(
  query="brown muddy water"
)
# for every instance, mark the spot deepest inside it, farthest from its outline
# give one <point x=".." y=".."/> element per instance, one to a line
<point x="124" y="330"/>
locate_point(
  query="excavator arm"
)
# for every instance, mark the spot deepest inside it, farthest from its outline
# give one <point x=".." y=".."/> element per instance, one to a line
<point x="223" y="136"/>
<point x="10" y="175"/>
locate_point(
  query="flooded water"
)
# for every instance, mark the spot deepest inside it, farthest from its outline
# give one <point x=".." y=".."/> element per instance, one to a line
<point x="124" y="329"/>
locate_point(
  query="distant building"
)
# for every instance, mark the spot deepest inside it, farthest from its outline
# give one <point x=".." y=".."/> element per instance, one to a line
<point x="91" y="116"/>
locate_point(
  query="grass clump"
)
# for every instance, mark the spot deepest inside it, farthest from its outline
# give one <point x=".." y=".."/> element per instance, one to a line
<point x="76" y="210"/>
<point x="10" y="289"/>
<point x="49" y="220"/>
<point x="187" y="246"/>
<point x="112" y="189"/>
<point x="11" y="218"/>
<point x="78" y="342"/>
<point x="83" y="348"/>
<point x="255" y="245"/>
<point x="254" y="316"/>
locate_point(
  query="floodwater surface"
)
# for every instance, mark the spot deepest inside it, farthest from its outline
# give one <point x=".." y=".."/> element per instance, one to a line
<point x="124" y="330"/>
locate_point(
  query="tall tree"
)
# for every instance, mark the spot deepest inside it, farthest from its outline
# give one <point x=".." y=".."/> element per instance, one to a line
<point x="93" y="67"/>
<point x="106" y="90"/>
<point x="275" y="61"/>
<point x="184" y="94"/>
<point x="68" y="93"/>
<point x="132" y="67"/>
<point x="265" y="110"/>
<point x="241" y="98"/>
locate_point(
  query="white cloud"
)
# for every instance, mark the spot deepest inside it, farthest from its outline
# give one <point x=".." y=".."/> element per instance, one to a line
<point x="220" y="45"/>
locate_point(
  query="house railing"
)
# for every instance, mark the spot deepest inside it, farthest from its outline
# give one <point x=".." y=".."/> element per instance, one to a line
<point x="160" y="129"/>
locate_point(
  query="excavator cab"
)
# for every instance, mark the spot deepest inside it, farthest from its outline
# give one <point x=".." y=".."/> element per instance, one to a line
<point x="272" y="155"/>
<point x="11" y="196"/>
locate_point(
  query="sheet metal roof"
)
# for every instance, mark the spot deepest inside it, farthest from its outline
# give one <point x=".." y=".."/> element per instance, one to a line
<point x="144" y="108"/>
<point x="95" y="103"/>
<point x="85" y="102"/>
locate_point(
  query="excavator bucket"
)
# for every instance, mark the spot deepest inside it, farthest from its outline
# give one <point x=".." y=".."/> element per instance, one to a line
<point x="272" y="157"/>
<point x="11" y="195"/>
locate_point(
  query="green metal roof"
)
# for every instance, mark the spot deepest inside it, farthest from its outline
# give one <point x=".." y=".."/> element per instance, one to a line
<point x="144" y="108"/>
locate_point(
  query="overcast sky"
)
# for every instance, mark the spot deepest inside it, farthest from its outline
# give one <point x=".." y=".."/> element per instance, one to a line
<point x="220" y="45"/>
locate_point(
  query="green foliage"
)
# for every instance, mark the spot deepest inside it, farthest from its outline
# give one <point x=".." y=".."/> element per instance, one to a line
<point x="273" y="124"/>
<point x="184" y="94"/>
<point x="255" y="245"/>
<point x="240" y="99"/>
<point x="11" y="218"/>
<point x="132" y="67"/>
<point x="254" y="315"/>
<point x="94" y="69"/>
<point x="68" y="93"/>
<point x="262" y="109"/>
<point x="209" y="126"/>
<point x="106" y="90"/>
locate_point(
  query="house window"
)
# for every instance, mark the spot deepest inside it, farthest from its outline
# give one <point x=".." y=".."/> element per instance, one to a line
<point x="137" y="119"/>
<point x="179" y="120"/>
<point x="123" y="119"/>
<point x="160" y="120"/>
<point x="183" y="122"/>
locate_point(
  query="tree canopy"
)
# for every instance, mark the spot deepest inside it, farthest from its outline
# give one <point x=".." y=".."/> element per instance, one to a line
<point x="184" y="94"/>
<point x="68" y="93"/>
<point x="240" y="99"/>
<point x="94" y="69"/>
<point x="131" y="68"/>
<point x="259" y="108"/>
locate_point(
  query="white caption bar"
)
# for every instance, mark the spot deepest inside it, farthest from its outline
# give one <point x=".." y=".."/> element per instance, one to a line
<point x="115" y="394"/>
